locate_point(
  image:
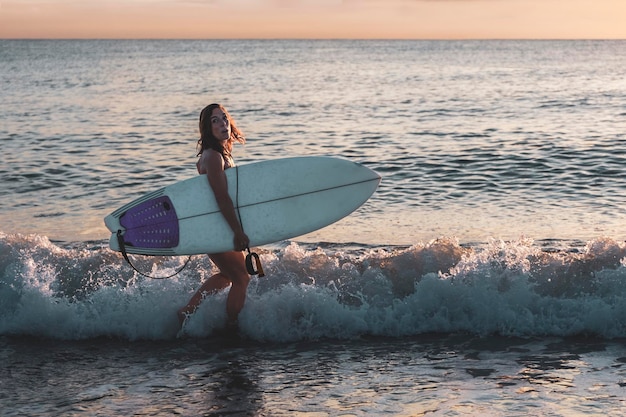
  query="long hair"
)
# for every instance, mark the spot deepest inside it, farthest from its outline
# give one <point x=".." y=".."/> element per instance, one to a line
<point x="208" y="141"/>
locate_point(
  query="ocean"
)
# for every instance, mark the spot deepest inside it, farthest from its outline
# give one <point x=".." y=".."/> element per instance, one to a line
<point x="485" y="276"/>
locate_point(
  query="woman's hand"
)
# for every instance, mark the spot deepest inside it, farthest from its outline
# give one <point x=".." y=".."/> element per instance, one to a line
<point x="241" y="241"/>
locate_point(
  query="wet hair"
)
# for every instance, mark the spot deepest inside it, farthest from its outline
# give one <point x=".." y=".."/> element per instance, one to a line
<point x="208" y="141"/>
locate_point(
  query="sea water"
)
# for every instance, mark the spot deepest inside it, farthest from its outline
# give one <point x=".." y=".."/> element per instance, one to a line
<point x="484" y="277"/>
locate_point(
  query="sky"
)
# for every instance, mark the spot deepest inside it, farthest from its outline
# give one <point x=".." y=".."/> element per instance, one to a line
<point x="313" y="19"/>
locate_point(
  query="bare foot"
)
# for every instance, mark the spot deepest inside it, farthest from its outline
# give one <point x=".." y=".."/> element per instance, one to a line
<point x="232" y="325"/>
<point x="183" y="315"/>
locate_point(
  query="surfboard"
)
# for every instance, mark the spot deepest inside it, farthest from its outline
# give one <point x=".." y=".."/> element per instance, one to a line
<point x="276" y="200"/>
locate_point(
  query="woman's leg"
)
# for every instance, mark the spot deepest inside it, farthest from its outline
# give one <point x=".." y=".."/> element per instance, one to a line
<point x="212" y="285"/>
<point x="233" y="266"/>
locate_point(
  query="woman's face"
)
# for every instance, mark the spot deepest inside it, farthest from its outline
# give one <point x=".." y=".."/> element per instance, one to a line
<point x="220" y="125"/>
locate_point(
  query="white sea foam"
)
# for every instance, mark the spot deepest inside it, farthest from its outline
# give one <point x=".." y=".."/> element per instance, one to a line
<point x="505" y="288"/>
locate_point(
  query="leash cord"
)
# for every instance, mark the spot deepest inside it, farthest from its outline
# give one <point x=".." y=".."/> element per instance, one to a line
<point x="122" y="245"/>
<point x="251" y="255"/>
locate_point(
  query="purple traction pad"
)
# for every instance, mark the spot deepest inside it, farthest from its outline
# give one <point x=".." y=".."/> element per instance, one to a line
<point x="151" y="224"/>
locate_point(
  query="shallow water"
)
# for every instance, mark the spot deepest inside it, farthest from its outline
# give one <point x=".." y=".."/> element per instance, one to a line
<point x="426" y="375"/>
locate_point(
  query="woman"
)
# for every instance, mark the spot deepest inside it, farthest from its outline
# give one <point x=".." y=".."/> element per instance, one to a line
<point x="218" y="133"/>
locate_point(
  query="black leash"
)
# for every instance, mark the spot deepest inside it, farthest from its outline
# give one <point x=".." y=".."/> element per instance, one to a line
<point x="122" y="245"/>
<point x="251" y="255"/>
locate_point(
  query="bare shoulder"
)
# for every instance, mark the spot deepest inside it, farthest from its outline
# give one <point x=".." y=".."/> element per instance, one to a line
<point x="209" y="158"/>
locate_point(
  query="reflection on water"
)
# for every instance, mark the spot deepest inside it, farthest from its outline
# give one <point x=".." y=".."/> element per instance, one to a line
<point x="370" y="376"/>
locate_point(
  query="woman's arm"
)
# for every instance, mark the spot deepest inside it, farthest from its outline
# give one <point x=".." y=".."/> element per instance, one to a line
<point x="213" y="165"/>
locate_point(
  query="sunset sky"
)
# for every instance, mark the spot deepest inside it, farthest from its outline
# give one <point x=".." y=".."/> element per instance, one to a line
<point x="400" y="19"/>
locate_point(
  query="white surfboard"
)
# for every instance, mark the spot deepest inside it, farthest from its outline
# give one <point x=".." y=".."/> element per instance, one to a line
<point x="276" y="199"/>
